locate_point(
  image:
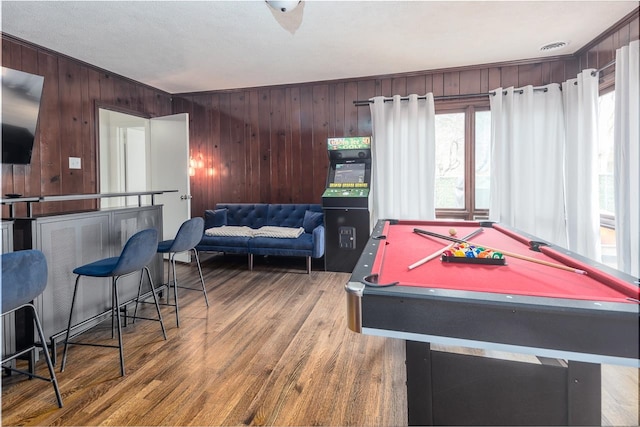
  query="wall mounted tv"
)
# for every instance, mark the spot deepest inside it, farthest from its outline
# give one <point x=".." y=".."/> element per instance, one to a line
<point x="21" y="93"/>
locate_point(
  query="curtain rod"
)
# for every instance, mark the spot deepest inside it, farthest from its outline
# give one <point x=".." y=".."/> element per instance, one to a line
<point x="363" y="103"/>
<point x="604" y="67"/>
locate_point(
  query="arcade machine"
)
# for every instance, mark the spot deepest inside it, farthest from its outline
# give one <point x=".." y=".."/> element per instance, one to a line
<point x="345" y="201"/>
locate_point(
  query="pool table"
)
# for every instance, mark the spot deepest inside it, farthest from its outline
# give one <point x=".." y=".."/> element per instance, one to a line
<point x="570" y="313"/>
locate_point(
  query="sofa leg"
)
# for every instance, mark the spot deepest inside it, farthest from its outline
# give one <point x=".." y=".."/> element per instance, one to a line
<point x="250" y="262"/>
<point x="308" y="265"/>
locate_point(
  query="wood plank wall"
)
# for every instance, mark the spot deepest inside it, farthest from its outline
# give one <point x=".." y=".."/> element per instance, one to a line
<point x="602" y="50"/>
<point x="67" y="124"/>
<point x="264" y="144"/>
<point x="268" y="144"/>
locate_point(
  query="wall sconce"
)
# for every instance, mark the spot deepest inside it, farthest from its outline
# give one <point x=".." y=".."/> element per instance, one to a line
<point x="192" y="166"/>
<point x="196" y="163"/>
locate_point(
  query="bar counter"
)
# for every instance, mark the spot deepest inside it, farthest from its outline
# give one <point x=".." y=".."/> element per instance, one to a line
<point x="69" y="240"/>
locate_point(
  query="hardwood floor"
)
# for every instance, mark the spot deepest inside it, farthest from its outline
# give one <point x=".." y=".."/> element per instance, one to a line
<point x="273" y="348"/>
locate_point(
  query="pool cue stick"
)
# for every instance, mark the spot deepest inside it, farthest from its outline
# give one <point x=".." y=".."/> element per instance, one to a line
<point x="511" y="254"/>
<point x="438" y="252"/>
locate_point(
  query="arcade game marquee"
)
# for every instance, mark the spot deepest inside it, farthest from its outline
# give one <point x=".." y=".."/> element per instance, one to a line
<point x="345" y="201"/>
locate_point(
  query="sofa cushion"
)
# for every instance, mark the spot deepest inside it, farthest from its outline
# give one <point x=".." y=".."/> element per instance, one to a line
<point x="289" y="215"/>
<point x="230" y="231"/>
<point x="234" y="245"/>
<point x="278" y="232"/>
<point x="302" y="246"/>
<point x="249" y="214"/>
<point x="286" y="215"/>
<point x="215" y="218"/>
<point x="312" y="220"/>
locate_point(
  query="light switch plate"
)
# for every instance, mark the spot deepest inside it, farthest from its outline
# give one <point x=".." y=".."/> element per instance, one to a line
<point x="74" y="163"/>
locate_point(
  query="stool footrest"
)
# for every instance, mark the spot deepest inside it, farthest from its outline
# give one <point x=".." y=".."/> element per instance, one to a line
<point x="27" y="373"/>
<point x="142" y="318"/>
<point x="189" y="289"/>
<point x="90" y="344"/>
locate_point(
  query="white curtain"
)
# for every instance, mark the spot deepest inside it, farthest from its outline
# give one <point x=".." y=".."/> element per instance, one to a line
<point x="403" y="157"/>
<point x="626" y="170"/>
<point x="527" y="147"/>
<point x="580" y="101"/>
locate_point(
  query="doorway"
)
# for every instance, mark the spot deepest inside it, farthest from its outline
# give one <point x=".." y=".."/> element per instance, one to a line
<point x="144" y="154"/>
<point x="124" y="155"/>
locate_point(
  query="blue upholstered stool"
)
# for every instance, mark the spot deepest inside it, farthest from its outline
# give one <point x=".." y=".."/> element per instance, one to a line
<point x="136" y="255"/>
<point x="24" y="277"/>
<point x="188" y="236"/>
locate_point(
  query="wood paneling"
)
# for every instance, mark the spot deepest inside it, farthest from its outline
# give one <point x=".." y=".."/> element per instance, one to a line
<point x="66" y="126"/>
<point x="270" y="142"/>
<point x="602" y="50"/>
<point x="263" y="144"/>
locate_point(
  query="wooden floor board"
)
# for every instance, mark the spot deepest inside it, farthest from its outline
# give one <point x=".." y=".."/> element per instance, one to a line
<point x="273" y="348"/>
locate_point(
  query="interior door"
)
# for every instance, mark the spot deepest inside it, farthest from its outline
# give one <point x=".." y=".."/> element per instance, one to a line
<point x="170" y="171"/>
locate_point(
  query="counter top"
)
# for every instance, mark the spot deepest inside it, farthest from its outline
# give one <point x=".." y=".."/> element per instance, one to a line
<point x="69" y="197"/>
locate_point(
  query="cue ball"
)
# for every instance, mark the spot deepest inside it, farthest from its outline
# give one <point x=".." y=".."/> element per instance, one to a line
<point x="453" y="231"/>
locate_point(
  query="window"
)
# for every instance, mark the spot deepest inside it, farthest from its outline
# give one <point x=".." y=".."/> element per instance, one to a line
<point x="450" y="161"/>
<point x="463" y="165"/>
<point x="483" y="158"/>
<point x="463" y="160"/>
<point x="606" y="106"/>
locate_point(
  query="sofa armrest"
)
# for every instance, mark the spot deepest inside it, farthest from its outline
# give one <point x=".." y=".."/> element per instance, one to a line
<point x="318" y="241"/>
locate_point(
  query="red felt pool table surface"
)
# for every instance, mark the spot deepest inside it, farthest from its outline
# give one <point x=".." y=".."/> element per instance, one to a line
<point x="403" y="247"/>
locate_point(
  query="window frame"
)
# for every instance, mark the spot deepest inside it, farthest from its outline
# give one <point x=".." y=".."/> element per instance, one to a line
<point x="469" y="107"/>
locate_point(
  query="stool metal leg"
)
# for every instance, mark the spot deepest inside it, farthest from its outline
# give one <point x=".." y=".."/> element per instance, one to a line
<point x="47" y="357"/>
<point x="172" y="265"/>
<point x="155" y="300"/>
<point x="154" y="293"/>
<point x="116" y="307"/>
<point x="204" y="290"/>
<point x="135" y="310"/>
<point x="66" y="340"/>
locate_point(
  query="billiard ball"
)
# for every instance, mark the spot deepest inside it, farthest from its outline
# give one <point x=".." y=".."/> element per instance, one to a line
<point x="453" y="231"/>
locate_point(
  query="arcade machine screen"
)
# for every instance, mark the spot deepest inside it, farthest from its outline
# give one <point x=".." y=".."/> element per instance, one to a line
<point x="349" y="173"/>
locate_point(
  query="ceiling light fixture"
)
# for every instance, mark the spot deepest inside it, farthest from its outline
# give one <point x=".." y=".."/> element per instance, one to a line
<point x="283" y="6"/>
<point x="553" y="46"/>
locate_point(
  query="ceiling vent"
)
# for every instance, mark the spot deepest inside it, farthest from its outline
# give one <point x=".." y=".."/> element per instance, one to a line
<point x="553" y="46"/>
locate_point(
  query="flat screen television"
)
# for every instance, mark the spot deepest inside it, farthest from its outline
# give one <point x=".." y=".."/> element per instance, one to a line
<point x="21" y="94"/>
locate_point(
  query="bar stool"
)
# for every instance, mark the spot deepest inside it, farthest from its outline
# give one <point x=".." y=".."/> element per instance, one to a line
<point x="24" y="277"/>
<point x="188" y="236"/>
<point x="136" y="255"/>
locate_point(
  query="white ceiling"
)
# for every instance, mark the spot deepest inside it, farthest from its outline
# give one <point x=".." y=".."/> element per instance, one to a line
<point x="184" y="46"/>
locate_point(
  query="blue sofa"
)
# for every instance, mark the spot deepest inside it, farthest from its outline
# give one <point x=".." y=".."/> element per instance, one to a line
<point x="236" y="228"/>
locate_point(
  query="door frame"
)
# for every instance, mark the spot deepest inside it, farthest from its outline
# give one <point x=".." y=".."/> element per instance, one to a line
<point x="115" y="108"/>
